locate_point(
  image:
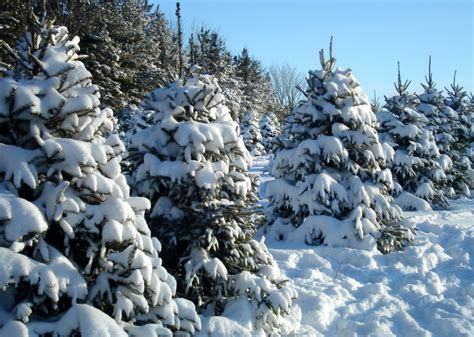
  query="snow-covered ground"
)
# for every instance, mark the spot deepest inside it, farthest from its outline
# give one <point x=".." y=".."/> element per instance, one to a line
<point x="426" y="290"/>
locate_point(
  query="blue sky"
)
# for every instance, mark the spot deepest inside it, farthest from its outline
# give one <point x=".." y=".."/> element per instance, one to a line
<point x="370" y="36"/>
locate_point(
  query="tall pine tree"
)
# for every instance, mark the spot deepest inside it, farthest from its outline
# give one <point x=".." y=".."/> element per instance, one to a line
<point x="191" y="162"/>
<point x="208" y="51"/>
<point x="331" y="183"/>
<point x="447" y="128"/>
<point x="76" y="247"/>
<point x="415" y="167"/>
<point x="269" y="129"/>
<point x="256" y="85"/>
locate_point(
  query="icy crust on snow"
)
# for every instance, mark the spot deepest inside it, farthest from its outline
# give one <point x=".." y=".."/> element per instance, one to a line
<point x="332" y="185"/>
<point x="63" y="150"/>
<point x="426" y="290"/>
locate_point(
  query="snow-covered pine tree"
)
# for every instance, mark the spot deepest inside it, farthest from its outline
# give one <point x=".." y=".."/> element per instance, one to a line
<point x="431" y="106"/>
<point x="192" y="163"/>
<point x="415" y="166"/>
<point x="269" y="129"/>
<point x="330" y="184"/>
<point x="77" y="253"/>
<point x="251" y="133"/>
<point x="463" y="130"/>
<point x="208" y="50"/>
<point x="447" y="128"/>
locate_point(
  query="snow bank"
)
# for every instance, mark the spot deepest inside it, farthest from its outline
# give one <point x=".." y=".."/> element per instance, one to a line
<point x="425" y="290"/>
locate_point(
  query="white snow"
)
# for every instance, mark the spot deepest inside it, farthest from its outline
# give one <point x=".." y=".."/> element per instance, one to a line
<point x="16" y="163"/>
<point x="425" y="290"/>
<point x="19" y="217"/>
<point x="84" y="318"/>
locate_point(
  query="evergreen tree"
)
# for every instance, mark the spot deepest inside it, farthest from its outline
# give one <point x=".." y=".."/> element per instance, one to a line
<point x="431" y="106"/>
<point x="251" y="134"/>
<point x="256" y="84"/>
<point x="190" y="160"/>
<point x="14" y="20"/>
<point x="463" y="132"/>
<point x="127" y="53"/>
<point x="416" y="167"/>
<point x="130" y="47"/>
<point x="269" y="130"/>
<point x="331" y="186"/>
<point x="447" y="128"/>
<point x="76" y="247"/>
<point x="208" y="51"/>
<point x="470" y="145"/>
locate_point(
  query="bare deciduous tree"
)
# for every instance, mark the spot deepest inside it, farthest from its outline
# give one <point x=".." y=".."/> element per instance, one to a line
<point x="285" y="80"/>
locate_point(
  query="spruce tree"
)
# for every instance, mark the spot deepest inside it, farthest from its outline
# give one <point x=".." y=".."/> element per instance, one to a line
<point x="330" y="184"/>
<point x="256" y="84"/>
<point x="251" y="134"/>
<point x="415" y="167"/>
<point x="190" y="160"/>
<point x="447" y="128"/>
<point x="130" y="46"/>
<point x="208" y="50"/>
<point x="463" y="132"/>
<point x="269" y="129"/>
<point x="76" y="246"/>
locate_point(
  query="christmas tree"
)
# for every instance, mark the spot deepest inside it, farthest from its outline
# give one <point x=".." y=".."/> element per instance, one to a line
<point x="251" y="133"/>
<point x="190" y="160"/>
<point x="269" y="129"/>
<point x="448" y="129"/>
<point x="330" y="184"/>
<point x="76" y="247"/>
<point x="415" y="167"/>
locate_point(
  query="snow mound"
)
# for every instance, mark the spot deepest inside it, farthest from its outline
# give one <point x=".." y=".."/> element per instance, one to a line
<point x="425" y="290"/>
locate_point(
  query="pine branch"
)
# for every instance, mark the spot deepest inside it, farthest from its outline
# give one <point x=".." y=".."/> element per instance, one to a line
<point x="12" y="53"/>
<point x="298" y="87"/>
<point x="456" y="93"/>
<point x="400" y="87"/>
<point x="430" y="84"/>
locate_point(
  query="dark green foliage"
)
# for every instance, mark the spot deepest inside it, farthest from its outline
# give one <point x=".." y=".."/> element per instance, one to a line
<point x="130" y="45"/>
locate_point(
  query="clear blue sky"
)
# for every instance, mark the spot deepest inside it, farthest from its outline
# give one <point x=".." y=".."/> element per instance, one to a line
<point x="370" y="36"/>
